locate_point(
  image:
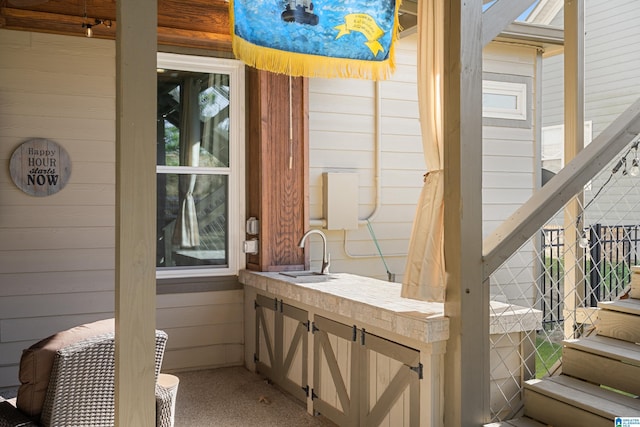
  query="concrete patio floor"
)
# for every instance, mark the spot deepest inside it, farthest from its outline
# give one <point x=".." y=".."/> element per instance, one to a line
<point x="237" y="397"/>
<point x="231" y="397"/>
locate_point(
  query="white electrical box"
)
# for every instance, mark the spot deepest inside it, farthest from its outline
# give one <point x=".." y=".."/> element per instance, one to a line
<point x="340" y="200"/>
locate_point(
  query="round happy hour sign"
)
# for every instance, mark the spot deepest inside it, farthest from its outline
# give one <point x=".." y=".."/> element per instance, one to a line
<point x="40" y="167"/>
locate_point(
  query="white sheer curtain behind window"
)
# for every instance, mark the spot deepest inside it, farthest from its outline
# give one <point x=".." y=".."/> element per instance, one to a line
<point x="186" y="233"/>
<point x="424" y="277"/>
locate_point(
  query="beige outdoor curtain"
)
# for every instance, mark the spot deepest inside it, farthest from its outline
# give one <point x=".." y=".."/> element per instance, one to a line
<point x="424" y="277"/>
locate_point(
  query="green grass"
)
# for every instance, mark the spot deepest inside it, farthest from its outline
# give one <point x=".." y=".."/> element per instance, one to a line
<point x="547" y="353"/>
<point x="613" y="276"/>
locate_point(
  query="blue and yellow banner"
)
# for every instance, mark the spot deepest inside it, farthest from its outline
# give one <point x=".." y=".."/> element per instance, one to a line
<point x="321" y="38"/>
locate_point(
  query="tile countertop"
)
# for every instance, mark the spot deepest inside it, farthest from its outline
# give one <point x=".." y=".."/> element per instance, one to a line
<point x="378" y="303"/>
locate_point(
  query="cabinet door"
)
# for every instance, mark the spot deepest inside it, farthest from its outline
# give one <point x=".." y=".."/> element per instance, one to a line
<point x="282" y="345"/>
<point x="265" y="346"/>
<point x="335" y="371"/>
<point x="390" y="375"/>
<point x="361" y="379"/>
<point x="265" y="356"/>
<point x="295" y="351"/>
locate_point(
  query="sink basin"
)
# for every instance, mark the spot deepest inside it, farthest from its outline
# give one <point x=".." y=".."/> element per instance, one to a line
<point x="304" y="273"/>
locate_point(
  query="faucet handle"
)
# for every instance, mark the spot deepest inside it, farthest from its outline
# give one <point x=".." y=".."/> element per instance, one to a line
<point x="325" y="265"/>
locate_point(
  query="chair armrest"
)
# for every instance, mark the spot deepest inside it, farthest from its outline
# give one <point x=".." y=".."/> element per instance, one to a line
<point x="10" y="416"/>
<point x="166" y="391"/>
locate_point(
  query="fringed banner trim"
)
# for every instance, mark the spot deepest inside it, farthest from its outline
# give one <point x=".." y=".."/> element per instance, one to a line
<point x="356" y="34"/>
<point x="305" y="65"/>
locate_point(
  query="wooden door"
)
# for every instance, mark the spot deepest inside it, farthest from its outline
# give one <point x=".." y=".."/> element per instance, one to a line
<point x="265" y="353"/>
<point x="282" y="345"/>
<point x="390" y="383"/>
<point x="335" y="371"/>
<point x="361" y="379"/>
<point x="295" y="351"/>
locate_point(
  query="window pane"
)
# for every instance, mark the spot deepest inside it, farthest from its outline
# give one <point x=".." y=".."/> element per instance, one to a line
<point x="193" y="118"/>
<point x="495" y="100"/>
<point x="192" y="220"/>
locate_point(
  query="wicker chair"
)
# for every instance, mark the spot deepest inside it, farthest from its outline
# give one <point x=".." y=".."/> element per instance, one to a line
<point x="81" y="388"/>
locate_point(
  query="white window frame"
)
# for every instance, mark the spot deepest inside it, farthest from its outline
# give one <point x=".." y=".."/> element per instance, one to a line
<point x="505" y="88"/>
<point x="236" y="169"/>
<point x="558" y="132"/>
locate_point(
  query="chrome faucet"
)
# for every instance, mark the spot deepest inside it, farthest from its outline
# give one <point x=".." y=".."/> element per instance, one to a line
<point x="325" y="256"/>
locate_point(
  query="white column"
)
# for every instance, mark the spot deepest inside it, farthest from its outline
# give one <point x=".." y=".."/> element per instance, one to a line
<point x="573" y="144"/>
<point x="136" y="47"/>
<point x="467" y="299"/>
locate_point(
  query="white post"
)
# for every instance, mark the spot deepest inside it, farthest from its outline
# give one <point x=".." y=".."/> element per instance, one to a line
<point x="467" y="299"/>
<point x="136" y="47"/>
<point x="573" y="144"/>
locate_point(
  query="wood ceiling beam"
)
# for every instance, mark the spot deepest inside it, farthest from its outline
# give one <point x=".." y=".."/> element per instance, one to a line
<point x="196" y="15"/>
<point x="28" y="20"/>
<point x="206" y="16"/>
<point x="195" y="39"/>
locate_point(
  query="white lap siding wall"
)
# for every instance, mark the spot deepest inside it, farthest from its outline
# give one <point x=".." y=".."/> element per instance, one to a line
<point x="57" y="253"/>
<point x="342" y="126"/>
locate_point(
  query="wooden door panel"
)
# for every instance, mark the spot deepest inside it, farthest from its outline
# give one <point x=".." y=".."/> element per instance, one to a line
<point x="265" y="356"/>
<point x="282" y="345"/>
<point x="295" y="351"/>
<point x="391" y="392"/>
<point x="361" y="379"/>
<point x="335" y="373"/>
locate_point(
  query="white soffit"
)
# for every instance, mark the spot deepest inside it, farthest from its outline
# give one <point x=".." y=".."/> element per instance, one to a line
<point x="545" y="11"/>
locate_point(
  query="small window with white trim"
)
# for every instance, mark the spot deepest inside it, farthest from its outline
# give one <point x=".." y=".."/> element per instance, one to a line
<point x="504" y="100"/>
<point x="200" y="188"/>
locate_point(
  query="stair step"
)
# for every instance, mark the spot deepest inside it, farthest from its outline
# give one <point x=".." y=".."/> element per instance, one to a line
<point x="628" y="305"/>
<point x="602" y="360"/>
<point x="612" y="348"/>
<point x="619" y="319"/>
<point x="518" y="422"/>
<point x="635" y="282"/>
<point x="569" y="402"/>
